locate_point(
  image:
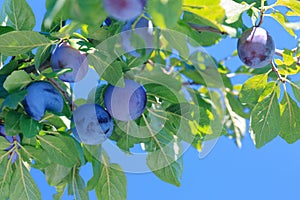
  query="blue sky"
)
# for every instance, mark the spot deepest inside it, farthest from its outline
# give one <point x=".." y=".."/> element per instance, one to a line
<point x="272" y="172"/>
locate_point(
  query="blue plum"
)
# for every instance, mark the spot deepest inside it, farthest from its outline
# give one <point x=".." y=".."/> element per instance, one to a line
<point x="124" y="9"/>
<point x="93" y="124"/>
<point x="127" y="103"/>
<point x="42" y="96"/>
<point x="256" y="47"/>
<point x="11" y="140"/>
<point x="65" y="56"/>
<point x="144" y="29"/>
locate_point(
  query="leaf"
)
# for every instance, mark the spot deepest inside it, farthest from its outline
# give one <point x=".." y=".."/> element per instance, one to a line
<point x="282" y="20"/>
<point x="18" y="42"/>
<point x="253" y="88"/>
<point x="156" y="75"/>
<point x="20" y="14"/>
<point x="234" y="10"/>
<point x="41" y="55"/>
<point x="289" y="119"/>
<point x="103" y="65"/>
<point x="35" y="155"/>
<point x="165" y="14"/>
<point x="112" y="181"/>
<point x="17" y="81"/>
<point x="56" y="174"/>
<point x="166" y="162"/>
<point x="162" y="92"/>
<point x="294" y="5"/>
<point x="264" y="119"/>
<point x="5" y="175"/>
<point x="4" y="144"/>
<point x="22" y="184"/>
<point x="296" y="90"/>
<point x="12" y="123"/>
<point x="12" y="101"/>
<point x="77" y="186"/>
<point x="61" y="149"/>
<point x="29" y="126"/>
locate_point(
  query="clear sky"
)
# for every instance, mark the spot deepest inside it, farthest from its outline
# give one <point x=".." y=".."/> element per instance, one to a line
<point x="272" y="172"/>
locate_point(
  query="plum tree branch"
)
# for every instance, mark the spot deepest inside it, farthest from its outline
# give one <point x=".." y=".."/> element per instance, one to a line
<point x="200" y="28"/>
<point x="280" y="53"/>
<point x="275" y="69"/>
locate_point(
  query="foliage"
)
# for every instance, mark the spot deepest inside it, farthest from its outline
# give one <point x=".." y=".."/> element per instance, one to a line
<point x="192" y="97"/>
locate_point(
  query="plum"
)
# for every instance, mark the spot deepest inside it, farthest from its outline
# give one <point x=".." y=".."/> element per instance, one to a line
<point x="124" y="9"/>
<point x="93" y="124"/>
<point x="127" y="103"/>
<point x="256" y="47"/>
<point x="10" y="139"/>
<point x="42" y="96"/>
<point x="65" y="56"/>
<point x="144" y="29"/>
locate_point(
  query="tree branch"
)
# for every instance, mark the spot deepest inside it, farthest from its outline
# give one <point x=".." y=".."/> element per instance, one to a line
<point x="279" y="52"/>
<point x="275" y="69"/>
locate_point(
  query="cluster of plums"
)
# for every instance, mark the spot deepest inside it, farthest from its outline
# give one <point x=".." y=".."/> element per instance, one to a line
<point x="93" y="123"/>
<point x="12" y="155"/>
<point x="256" y="47"/>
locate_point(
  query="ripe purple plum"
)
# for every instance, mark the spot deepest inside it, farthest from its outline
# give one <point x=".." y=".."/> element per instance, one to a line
<point x="11" y="140"/>
<point x="256" y="47"/>
<point x="42" y="96"/>
<point x="93" y="124"/>
<point x="124" y="9"/>
<point x="127" y="103"/>
<point x="144" y="29"/>
<point x="65" y="56"/>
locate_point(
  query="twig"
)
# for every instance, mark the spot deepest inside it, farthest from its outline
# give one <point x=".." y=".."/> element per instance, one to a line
<point x="275" y="69"/>
<point x="279" y="52"/>
<point x="262" y="11"/>
<point x="200" y="28"/>
<point x="64" y="93"/>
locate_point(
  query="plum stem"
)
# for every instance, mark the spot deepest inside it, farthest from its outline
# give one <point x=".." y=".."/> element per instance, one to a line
<point x="200" y="28"/>
<point x="64" y="93"/>
<point x="275" y="69"/>
<point x="262" y="11"/>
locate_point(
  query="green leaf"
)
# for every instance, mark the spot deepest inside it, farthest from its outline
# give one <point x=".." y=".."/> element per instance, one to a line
<point x="20" y="14"/>
<point x="294" y="5"/>
<point x="289" y="119"/>
<point x="18" y="42"/>
<point x="39" y="156"/>
<point x="296" y="90"/>
<point x="4" y="144"/>
<point x="162" y="92"/>
<point x="41" y="55"/>
<point x="111" y="72"/>
<point x="12" y="123"/>
<point x="112" y="181"/>
<point x="5" y="175"/>
<point x="5" y="29"/>
<point x="61" y="149"/>
<point x="12" y="101"/>
<point x="29" y="126"/>
<point x="22" y="185"/>
<point x="166" y="162"/>
<point x="234" y="10"/>
<point x="56" y="174"/>
<point x="265" y="116"/>
<point x="17" y="81"/>
<point x="282" y="20"/>
<point x="77" y="186"/>
<point x="165" y="14"/>
<point x="156" y="75"/>
<point x="253" y="88"/>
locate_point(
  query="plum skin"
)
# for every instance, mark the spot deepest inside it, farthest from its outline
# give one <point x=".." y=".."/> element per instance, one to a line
<point x="124" y="9"/>
<point x="143" y="28"/>
<point x="256" y="47"/>
<point x="93" y="124"/>
<point x="65" y="56"/>
<point x="10" y="139"/>
<point x="125" y="104"/>
<point x="42" y="96"/>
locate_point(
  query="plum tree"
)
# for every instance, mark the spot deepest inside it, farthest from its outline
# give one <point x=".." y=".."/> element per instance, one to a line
<point x="42" y="96"/>
<point x="10" y="139"/>
<point x="93" y="124"/>
<point x="65" y="56"/>
<point x="127" y="103"/>
<point x="256" y="47"/>
<point x="124" y="9"/>
<point x="143" y="27"/>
